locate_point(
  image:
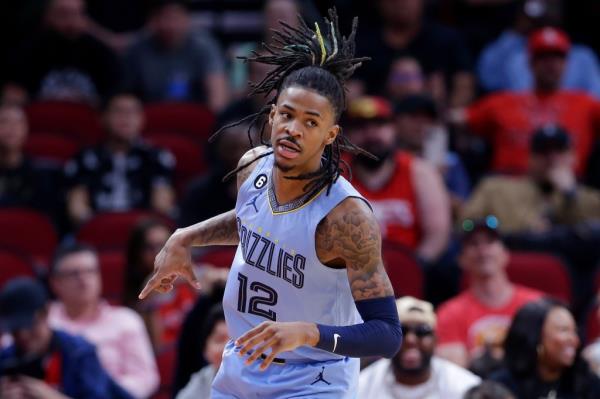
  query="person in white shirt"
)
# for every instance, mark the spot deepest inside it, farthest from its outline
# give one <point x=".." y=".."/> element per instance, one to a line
<point x="414" y="373"/>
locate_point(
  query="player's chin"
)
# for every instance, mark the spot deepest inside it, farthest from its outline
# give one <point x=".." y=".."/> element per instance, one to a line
<point x="284" y="165"/>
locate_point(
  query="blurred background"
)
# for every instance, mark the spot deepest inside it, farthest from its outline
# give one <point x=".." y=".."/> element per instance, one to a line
<point x="485" y="116"/>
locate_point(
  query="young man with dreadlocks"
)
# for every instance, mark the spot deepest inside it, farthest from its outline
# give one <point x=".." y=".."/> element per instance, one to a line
<point x="307" y="293"/>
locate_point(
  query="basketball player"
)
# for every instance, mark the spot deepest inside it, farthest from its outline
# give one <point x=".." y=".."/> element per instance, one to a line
<point x="307" y="293"/>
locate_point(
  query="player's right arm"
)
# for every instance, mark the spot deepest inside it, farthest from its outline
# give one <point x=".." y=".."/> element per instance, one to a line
<point x="175" y="259"/>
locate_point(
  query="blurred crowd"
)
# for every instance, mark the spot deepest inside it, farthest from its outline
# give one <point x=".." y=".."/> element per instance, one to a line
<point x="484" y="116"/>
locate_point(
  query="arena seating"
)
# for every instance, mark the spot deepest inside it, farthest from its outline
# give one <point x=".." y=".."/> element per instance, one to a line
<point x="30" y="232"/>
<point x="219" y="256"/>
<point x="403" y="270"/>
<point x="186" y="119"/>
<point x="112" y="269"/>
<point x="51" y="146"/>
<point x="14" y="264"/>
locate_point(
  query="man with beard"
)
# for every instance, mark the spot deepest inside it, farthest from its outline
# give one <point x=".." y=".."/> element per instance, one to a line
<point x="414" y="372"/>
<point x="407" y="194"/>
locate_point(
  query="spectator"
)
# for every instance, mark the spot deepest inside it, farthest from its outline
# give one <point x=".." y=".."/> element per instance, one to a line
<point x="215" y="195"/>
<point x="504" y="64"/>
<point x="405" y="79"/>
<point x="174" y="64"/>
<point x="123" y="172"/>
<point x="62" y="62"/>
<point x="414" y="372"/>
<point x="43" y="363"/>
<point x="404" y="31"/>
<point x="24" y="182"/>
<point x="116" y="23"/>
<point x="213" y="339"/>
<point x="488" y="390"/>
<point x="508" y="119"/>
<point x="190" y="350"/>
<point x="542" y="355"/>
<point x="421" y="133"/>
<point x="118" y="333"/>
<point x="547" y="197"/>
<point x="163" y="314"/>
<point x="406" y="193"/>
<point x="476" y="320"/>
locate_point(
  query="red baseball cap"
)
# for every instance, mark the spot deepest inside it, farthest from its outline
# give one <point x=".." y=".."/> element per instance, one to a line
<point x="549" y="40"/>
<point x="369" y="108"/>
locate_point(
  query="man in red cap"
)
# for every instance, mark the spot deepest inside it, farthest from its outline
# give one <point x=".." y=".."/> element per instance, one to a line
<point x="507" y="119"/>
<point x="504" y="63"/>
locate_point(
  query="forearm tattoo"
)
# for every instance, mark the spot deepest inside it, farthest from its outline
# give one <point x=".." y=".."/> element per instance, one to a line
<point x="219" y="230"/>
<point x="351" y="234"/>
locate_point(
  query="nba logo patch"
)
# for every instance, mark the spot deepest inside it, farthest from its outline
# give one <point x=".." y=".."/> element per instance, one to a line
<point x="260" y="181"/>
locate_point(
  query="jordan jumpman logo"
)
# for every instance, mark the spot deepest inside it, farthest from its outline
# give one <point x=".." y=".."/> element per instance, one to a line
<point x="253" y="202"/>
<point x="321" y="378"/>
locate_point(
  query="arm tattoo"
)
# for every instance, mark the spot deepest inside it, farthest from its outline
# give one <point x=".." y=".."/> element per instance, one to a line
<point x="219" y="230"/>
<point x="351" y="234"/>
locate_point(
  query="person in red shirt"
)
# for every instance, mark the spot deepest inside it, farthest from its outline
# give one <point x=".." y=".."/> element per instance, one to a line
<point x="407" y="194"/>
<point x="477" y="319"/>
<point x="508" y="119"/>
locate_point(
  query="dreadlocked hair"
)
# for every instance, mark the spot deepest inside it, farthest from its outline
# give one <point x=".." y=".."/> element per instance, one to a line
<point x="306" y="58"/>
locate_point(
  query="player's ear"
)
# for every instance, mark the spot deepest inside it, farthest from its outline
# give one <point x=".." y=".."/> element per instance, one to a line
<point x="332" y="134"/>
<point x="272" y="114"/>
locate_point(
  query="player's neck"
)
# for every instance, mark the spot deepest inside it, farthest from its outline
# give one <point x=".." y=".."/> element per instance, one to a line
<point x="287" y="190"/>
<point x="492" y="291"/>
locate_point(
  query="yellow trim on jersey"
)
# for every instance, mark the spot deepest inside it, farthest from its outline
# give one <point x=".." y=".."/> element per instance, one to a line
<point x="295" y="209"/>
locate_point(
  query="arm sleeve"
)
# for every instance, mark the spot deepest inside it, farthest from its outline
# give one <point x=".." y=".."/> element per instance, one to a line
<point x="379" y="335"/>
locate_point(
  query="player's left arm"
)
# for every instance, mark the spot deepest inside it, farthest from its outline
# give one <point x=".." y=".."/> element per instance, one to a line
<point x="349" y="236"/>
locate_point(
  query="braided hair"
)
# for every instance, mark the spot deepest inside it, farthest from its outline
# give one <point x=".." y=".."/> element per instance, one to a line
<point x="321" y="63"/>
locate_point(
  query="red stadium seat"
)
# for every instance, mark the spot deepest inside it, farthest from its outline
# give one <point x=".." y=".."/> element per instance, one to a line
<point x="29" y="232"/>
<point x="51" y="146"/>
<point x="188" y="153"/>
<point x="165" y="361"/>
<point x="187" y="119"/>
<point x="218" y="256"/>
<point x="403" y="270"/>
<point x="111" y="230"/>
<point x="77" y="121"/>
<point x="13" y="264"/>
<point x="542" y="271"/>
<point x="592" y="332"/>
<point x="112" y="269"/>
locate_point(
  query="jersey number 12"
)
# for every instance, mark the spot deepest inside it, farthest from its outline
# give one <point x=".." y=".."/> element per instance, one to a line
<point x="257" y="303"/>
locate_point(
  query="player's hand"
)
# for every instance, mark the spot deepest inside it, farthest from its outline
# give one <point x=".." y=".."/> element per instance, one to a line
<point x="277" y="337"/>
<point x="173" y="260"/>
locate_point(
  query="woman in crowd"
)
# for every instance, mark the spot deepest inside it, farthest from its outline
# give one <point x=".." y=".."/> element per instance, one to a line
<point x="542" y="357"/>
<point x="164" y="313"/>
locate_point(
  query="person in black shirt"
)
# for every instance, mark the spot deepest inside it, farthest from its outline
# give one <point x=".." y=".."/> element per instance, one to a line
<point x="122" y="173"/>
<point x="62" y="61"/>
<point x="24" y="182"/>
<point x="404" y="32"/>
<point x="542" y="355"/>
<point x="208" y="195"/>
